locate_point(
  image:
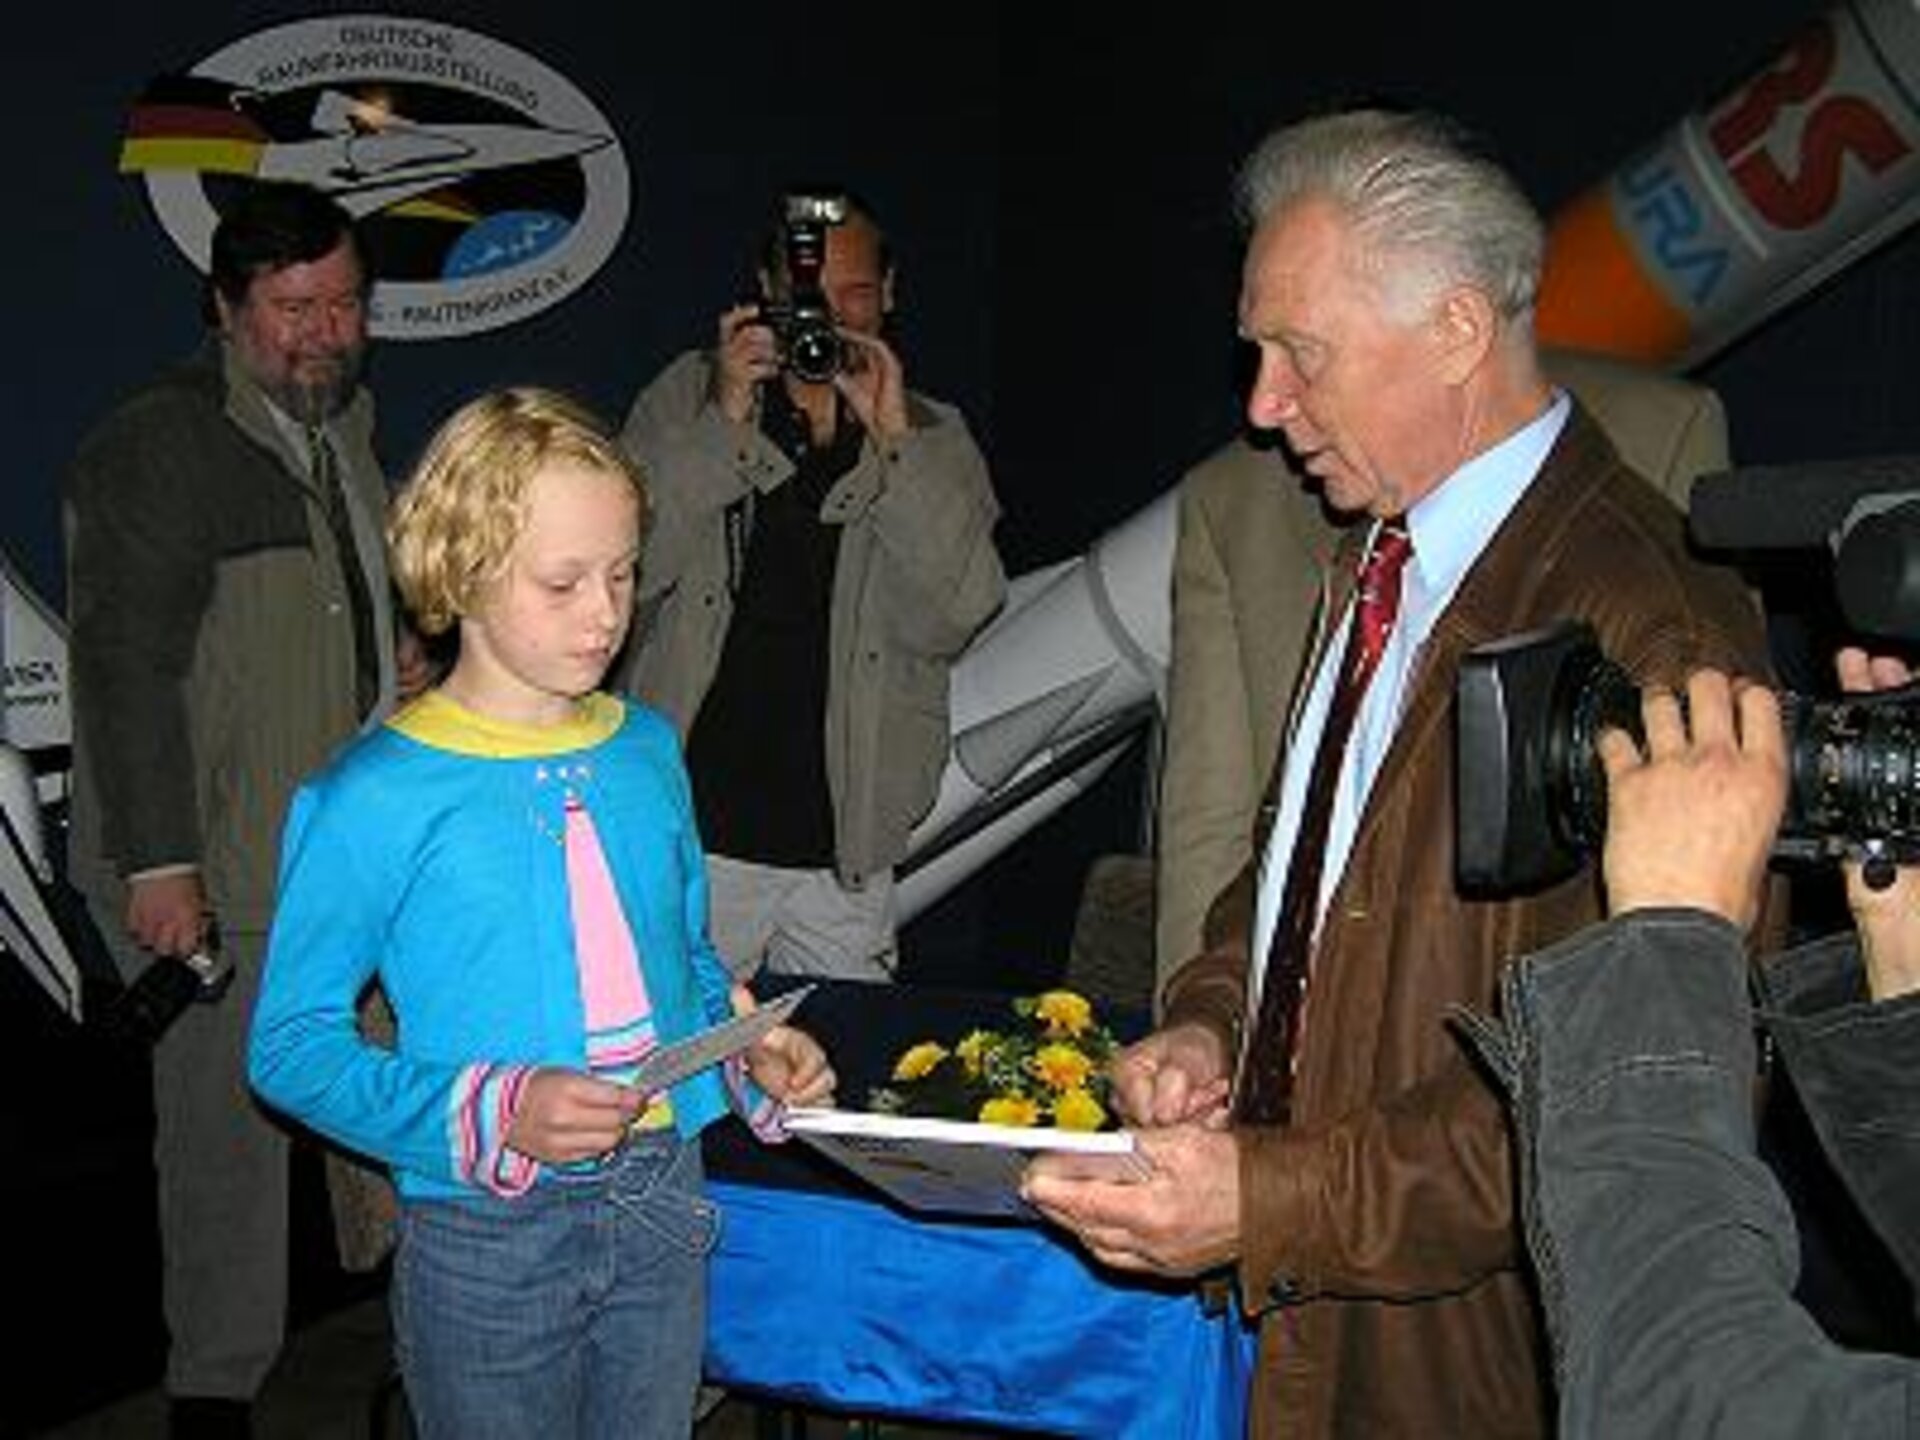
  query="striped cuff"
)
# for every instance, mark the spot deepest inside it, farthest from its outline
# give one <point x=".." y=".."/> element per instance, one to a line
<point x="765" y="1116"/>
<point x="486" y="1098"/>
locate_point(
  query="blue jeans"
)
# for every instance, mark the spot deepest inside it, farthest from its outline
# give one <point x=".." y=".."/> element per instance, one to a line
<point x="574" y="1312"/>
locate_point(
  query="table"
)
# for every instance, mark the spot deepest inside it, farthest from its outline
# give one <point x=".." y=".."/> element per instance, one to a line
<point x="825" y="1294"/>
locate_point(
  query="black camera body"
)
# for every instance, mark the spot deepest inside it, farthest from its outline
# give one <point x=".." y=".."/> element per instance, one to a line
<point x="1530" y="795"/>
<point x="805" y="331"/>
<point x="1531" y="799"/>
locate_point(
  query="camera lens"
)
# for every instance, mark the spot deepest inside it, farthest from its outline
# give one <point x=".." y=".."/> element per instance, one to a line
<point x="1854" y="765"/>
<point x="1854" y="768"/>
<point x="814" y="351"/>
<point x="1594" y="695"/>
<point x="1854" y="772"/>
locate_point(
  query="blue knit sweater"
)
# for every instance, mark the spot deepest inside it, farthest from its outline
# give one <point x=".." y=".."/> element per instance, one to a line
<point x="429" y="854"/>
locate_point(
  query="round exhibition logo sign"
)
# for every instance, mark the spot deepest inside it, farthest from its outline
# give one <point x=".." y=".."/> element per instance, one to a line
<point x="485" y="186"/>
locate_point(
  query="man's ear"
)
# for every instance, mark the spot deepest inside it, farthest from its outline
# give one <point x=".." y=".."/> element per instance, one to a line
<point x="886" y="292"/>
<point x="222" y="312"/>
<point x="1463" y="327"/>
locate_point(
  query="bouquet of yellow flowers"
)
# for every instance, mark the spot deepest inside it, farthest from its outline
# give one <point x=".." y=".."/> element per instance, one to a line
<point x="1050" y="1069"/>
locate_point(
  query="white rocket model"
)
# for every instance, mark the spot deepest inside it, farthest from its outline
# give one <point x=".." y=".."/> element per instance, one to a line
<point x="27" y="928"/>
<point x="1046" y="699"/>
<point x="33" y="648"/>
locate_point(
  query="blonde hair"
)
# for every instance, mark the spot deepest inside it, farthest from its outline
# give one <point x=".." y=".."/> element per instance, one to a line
<point x="454" y="524"/>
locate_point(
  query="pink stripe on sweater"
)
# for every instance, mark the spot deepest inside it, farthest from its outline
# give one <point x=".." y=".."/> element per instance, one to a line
<point x="613" y="992"/>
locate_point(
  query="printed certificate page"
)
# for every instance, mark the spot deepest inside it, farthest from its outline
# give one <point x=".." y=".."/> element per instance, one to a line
<point x="958" y="1167"/>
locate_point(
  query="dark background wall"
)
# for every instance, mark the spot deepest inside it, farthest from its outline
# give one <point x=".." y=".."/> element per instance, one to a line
<point x="1057" y="185"/>
<point x="1056" y="181"/>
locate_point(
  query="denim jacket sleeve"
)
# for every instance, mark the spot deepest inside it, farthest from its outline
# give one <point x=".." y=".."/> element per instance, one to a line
<point x="1665" y="1249"/>
<point x="1856" y="1066"/>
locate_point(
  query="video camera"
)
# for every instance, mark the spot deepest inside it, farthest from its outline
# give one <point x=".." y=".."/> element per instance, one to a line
<point x="1531" y="796"/>
<point x="803" y="323"/>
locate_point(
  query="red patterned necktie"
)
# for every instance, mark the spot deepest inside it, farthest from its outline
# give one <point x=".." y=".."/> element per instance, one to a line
<point x="1265" y="1093"/>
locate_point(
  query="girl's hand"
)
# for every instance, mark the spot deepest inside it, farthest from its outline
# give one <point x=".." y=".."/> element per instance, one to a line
<point x="791" y="1067"/>
<point x="566" y="1116"/>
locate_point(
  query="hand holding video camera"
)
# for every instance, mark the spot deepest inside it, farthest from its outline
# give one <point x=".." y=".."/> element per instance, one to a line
<point x="1691" y="814"/>
<point x="1529" y="708"/>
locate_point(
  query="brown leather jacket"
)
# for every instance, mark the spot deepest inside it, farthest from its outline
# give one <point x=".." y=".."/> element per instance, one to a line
<point x="1377" y="1230"/>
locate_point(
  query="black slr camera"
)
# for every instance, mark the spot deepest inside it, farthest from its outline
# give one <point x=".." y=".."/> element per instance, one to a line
<point x="803" y="324"/>
<point x="1531" y="800"/>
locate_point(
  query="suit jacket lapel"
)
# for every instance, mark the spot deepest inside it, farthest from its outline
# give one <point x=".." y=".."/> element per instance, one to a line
<point x="1483" y="608"/>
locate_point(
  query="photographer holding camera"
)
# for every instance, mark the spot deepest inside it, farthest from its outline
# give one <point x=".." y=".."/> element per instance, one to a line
<point x="1665" y="1249"/>
<point x="821" y="550"/>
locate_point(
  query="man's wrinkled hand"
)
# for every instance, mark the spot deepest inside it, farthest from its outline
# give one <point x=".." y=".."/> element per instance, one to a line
<point x="168" y="913"/>
<point x="1183" y="1219"/>
<point x="1171" y="1077"/>
<point x="1690" y="821"/>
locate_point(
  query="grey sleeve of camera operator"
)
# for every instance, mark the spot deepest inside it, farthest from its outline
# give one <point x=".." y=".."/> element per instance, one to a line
<point x="1855" y="1064"/>
<point x="1665" y="1249"/>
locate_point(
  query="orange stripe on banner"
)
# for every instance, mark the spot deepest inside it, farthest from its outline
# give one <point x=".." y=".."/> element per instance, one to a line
<point x="1594" y="295"/>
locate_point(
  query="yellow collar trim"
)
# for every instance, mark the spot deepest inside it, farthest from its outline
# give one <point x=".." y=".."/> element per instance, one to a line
<point x="436" y="720"/>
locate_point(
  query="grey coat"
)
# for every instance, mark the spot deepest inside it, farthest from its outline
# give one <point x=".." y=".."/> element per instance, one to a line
<point x="916" y="576"/>
<point x="1665" y="1248"/>
<point x="211" y="632"/>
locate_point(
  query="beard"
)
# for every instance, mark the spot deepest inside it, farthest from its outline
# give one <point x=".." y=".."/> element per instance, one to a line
<point x="319" y="387"/>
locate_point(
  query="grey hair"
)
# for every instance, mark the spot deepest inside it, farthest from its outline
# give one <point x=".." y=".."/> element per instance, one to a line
<point x="1417" y="193"/>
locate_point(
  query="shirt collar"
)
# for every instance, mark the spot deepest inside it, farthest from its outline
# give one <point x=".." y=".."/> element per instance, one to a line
<point x="1457" y="519"/>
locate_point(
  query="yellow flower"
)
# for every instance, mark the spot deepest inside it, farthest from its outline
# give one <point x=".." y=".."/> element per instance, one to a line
<point x="1065" y="1013"/>
<point x="1010" y="1110"/>
<point x="919" y="1061"/>
<point x="1078" y="1110"/>
<point x="972" y="1050"/>
<point x="1061" y="1066"/>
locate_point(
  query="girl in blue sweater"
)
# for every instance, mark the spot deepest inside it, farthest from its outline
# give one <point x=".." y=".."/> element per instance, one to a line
<point x="513" y="857"/>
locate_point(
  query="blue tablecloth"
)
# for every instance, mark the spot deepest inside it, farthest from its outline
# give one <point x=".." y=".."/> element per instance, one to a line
<point x="850" y="1304"/>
